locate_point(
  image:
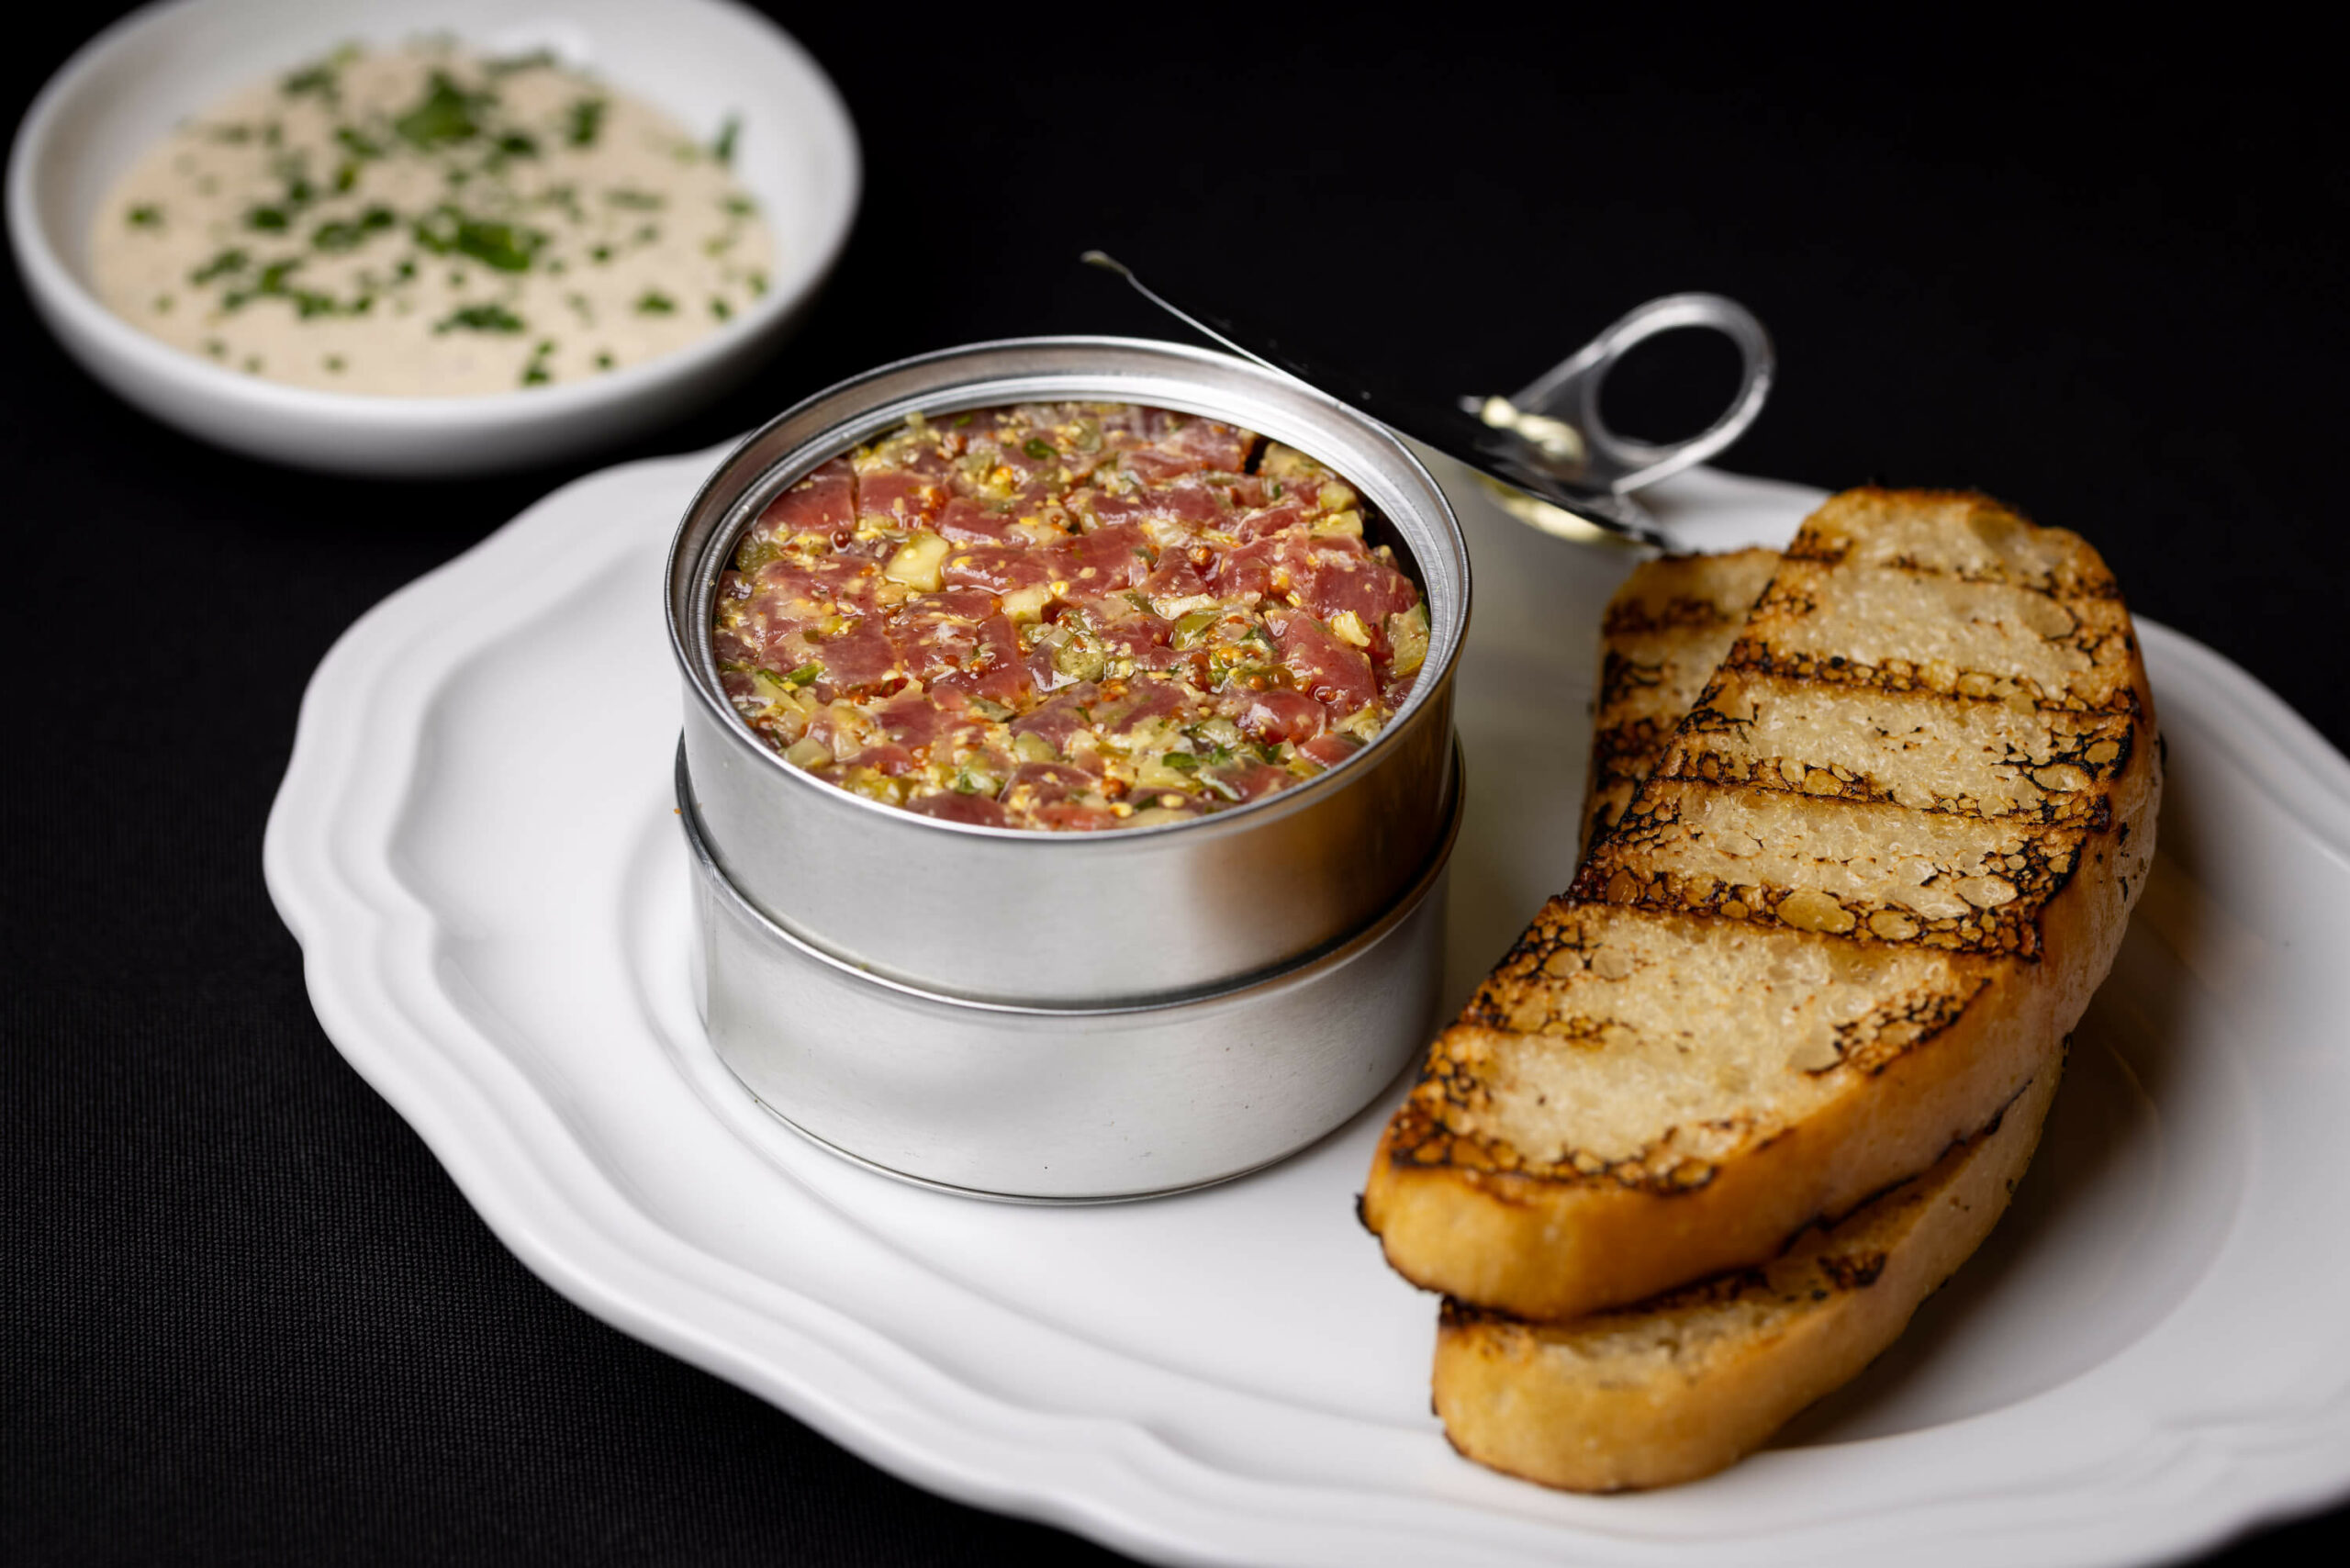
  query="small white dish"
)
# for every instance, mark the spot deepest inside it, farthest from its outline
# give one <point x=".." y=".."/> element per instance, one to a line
<point x="702" y="61"/>
<point x="495" y="918"/>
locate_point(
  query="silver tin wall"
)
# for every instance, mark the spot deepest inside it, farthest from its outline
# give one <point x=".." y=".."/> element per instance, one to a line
<point x="1077" y="918"/>
<point x="1069" y="1104"/>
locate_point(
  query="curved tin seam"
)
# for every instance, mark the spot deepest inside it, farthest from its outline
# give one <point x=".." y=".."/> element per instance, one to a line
<point x="1291" y="971"/>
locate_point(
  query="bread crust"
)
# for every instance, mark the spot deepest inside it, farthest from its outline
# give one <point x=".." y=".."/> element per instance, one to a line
<point x="1460" y="1212"/>
<point x="1681" y="1386"/>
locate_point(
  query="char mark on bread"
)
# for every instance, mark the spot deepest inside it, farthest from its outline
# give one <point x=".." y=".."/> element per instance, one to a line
<point x="1849" y="906"/>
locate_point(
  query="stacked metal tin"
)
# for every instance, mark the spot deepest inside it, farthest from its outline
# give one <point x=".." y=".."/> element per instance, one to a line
<point x="1070" y="1016"/>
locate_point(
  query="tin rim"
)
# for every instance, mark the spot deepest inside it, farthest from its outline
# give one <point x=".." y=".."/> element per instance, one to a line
<point x="689" y="633"/>
<point x="1210" y="999"/>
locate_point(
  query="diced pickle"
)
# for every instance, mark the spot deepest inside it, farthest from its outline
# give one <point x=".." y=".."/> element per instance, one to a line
<point x="919" y="563"/>
<point x="1194" y="626"/>
<point x="1154" y="773"/>
<point x="1078" y="659"/>
<point x="1027" y="604"/>
<point x="1408" y="633"/>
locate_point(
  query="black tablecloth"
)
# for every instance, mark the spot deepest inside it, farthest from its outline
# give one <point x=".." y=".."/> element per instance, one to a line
<point x="245" y="1315"/>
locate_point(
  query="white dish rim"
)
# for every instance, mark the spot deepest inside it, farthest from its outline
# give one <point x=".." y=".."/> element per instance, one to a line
<point x="1130" y="1491"/>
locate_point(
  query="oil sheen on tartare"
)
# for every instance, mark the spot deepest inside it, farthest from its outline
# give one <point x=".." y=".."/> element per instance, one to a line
<point x="1067" y="616"/>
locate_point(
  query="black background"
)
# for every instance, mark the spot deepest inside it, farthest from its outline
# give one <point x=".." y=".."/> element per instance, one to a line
<point x="244" y="1316"/>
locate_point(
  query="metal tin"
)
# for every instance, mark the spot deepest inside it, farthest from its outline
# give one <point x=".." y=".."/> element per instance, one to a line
<point x="1089" y="918"/>
<point x="1064" y="1104"/>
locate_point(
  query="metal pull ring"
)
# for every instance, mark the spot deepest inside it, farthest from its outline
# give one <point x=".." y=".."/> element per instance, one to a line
<point x="1569" y="393"/>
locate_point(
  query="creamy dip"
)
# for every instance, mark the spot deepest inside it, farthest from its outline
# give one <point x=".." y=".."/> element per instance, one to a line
<point x="429" y="223"/>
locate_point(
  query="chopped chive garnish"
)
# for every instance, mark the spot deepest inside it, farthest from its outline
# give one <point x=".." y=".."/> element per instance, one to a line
<point x="490" y="318"/>
<point x="445" y="116"/>
<point x="586" y="122"/>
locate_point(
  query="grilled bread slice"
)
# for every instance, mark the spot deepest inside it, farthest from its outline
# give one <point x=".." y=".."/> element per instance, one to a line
<point x="1665" y="630"/>
<point x="1685" y="1383"/>
<point x="1853" y="912"/>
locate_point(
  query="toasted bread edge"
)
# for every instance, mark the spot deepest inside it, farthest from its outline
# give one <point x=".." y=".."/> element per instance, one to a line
<point x="1515" y="1401"/>
<point x="1546" y="1246"/>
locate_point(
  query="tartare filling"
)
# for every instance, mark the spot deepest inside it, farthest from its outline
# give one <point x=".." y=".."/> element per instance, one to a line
<point x="1066" y="616"/>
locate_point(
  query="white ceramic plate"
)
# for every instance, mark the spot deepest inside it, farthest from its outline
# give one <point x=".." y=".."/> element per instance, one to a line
<point x="699" y="59"/>
<point x="490" y="894"/>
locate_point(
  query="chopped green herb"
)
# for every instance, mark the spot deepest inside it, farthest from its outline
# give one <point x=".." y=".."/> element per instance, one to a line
<point x="635" y="201"/>
<point x="334" y="364"/>
<point x="721" y="309"/>
<point x="534" y="61"/>
<point x="514" y="144"/>
<point x="586" y="122"/>
<point x="741" y="207"/>
<point x="163" y="304"/>
<point x="507" y="247"/>
<point x="599" y="252"/>
<point x="490" y="318"/>
<point x="268" y="219"/>
<point x="444" y="114"/>
<point x="221" y="265"/>
<point x="962" y="419"/>
<point x="147" y="217"/>
<point x="1039" y="449"/>
<point x="349" y="233"/>
<point x="317" y="80"/>
<point x="603" y="361"/>
<point x="1181" y="761"/>
<point x="652" y="302"/>
<point x="216" y="348"/>
<point x="1274" y="490"/>
<point x="805" y="673"/>
<point x="758" y="282"/>
<point x="357" y="145"/>
<point x="1270" y="754"/>
<point x="723" y="148"/>
<point x="534" y="373"/>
